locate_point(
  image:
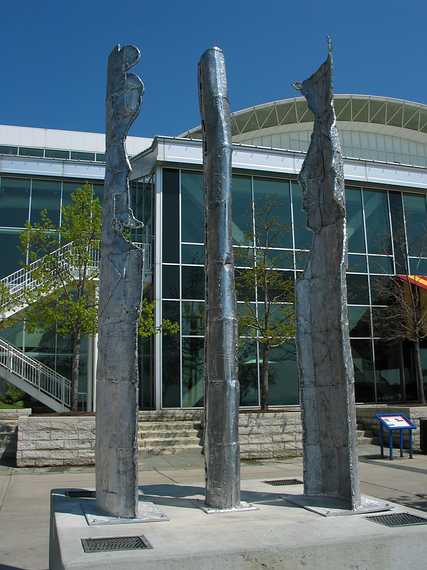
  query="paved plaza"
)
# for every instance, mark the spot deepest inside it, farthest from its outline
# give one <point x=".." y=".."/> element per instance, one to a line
<point x="24" y="493"/>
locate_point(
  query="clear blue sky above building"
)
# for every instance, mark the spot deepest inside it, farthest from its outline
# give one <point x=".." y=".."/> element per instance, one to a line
<point x="53" y="54"/>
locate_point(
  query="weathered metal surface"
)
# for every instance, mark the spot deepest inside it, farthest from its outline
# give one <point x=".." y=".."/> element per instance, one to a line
<point x="323" y="347"/>
<point x="119" y="302"/>
<point x="222" y="451"/>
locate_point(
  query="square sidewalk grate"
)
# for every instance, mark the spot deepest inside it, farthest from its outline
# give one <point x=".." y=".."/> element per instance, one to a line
<point x="397" y="519"/>
<point x="81" y="494"/>
<point x="115" y="543"/>
<point x="279" y="482"/>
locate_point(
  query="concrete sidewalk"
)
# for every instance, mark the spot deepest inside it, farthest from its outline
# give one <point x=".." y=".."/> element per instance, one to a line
<point x="24" y="493"/>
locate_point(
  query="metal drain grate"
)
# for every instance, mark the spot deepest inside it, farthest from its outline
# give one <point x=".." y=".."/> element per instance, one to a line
<point x="115" y="543"/>
<point x="279" y="482"/>
<point x="397" y="519"/>
<point x="81" y="494"/>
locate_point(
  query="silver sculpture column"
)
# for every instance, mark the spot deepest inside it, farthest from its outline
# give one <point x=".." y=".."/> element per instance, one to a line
<point x="323" y="347"/>
<point x="222" y="450"/>
<point x="119" y="303"/>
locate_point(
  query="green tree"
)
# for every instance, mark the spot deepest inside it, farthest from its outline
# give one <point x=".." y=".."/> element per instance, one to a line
<point x="65" y="296"/>
<point x="270" y="322"/>
<point x="147" y="324"/>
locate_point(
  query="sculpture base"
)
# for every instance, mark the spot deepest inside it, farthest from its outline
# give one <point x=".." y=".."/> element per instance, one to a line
<point x="333" y="507"/>
<point x="147" y="512"/>
<point x="242" y="507"/>
<point x="277" y="535"/>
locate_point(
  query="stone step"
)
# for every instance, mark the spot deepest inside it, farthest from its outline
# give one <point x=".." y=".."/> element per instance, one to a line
<point x="168" y="441"/>
<point x="169" y="434"/>
<point x="167" y="450"/>
<point x="168" y="426"/>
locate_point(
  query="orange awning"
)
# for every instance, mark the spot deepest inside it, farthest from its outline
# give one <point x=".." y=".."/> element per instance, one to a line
<point x="419" y="280"/>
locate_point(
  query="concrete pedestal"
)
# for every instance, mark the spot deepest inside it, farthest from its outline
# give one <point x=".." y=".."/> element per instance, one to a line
<point x="277" y="535"/>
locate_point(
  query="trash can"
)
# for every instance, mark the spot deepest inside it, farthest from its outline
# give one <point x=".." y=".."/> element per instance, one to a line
<point x="423" y="435"/>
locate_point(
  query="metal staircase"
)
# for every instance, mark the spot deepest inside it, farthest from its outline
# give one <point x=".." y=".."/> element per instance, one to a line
<point x="34" y="378"/>
<point x="28" y="374"/>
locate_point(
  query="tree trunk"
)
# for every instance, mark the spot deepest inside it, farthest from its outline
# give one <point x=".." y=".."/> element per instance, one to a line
<point x="419" y="371"/>
<point x="264" y="379"/>
<point x="75" y="371"/>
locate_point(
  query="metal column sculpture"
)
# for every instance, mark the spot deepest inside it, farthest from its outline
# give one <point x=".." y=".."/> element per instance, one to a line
<point x="222" y="450"/>
<point x="120" y="299"/>
<point x="324" y="355"/>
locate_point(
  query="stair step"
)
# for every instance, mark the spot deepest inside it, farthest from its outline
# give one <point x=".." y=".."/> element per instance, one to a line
<point x="168" y="433"/>
<point x="147" y="441"/>
<point x="168" y="425"/>
<point x="167" y="450"/>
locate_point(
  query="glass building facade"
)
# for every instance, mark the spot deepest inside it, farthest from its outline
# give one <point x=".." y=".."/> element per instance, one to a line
<point x="22" y="200"/>
<point x="387" y="236"/>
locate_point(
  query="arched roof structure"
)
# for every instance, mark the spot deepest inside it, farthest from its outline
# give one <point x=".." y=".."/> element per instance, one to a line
<point x="374" y="128"/>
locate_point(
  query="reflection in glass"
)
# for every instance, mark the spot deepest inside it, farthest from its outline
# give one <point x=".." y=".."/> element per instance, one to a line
<point x="248" y="373"/>
<point x="377" y="221"/>
<point x="381" y="264"/>
<point x="245" y="285"/>
<point x="171" y="374"/>
<point x="283" y="376"/>
<point x="45" y="195"/>
<point x="192" y="372"/>
<point x="193" y="318"/>
<point x="363" y="370"/>
<point x="170" y="281"/>
<point x="380" y="290"/>
<point x="357" y="263"/>
<point x="14" y="202"/>
<point x="193" y="282"/>
<point x="416" y="224"/>
<point x="418" y="266"/>
<point x="170" y="208"/>
<point x="357" y="290"/>
<point x="389" y="377"/>
<point x="242" y="230"/>
<point x="301" y="259"/>
<point x="355" y="229"/>
<point x="193" y="254"/>
<point x="277" y="259"/>
<point x="10" y="253"/>
<point x="272" y="213"/>
<point x="303" y="236"/>
<point x="398" y="225"/>
<point x="170" y="311"/>
<point x="359" y="321"/>
<point x="192" y="208"/>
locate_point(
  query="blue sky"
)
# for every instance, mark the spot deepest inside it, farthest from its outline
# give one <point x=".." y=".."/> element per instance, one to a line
<point x="53" y="54"/>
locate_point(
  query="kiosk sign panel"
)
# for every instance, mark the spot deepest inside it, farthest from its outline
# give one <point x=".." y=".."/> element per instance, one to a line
<point x="392" y="423"/>
<point x="396" y="422"/>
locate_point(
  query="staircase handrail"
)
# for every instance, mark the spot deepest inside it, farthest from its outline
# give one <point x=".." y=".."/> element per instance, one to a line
<point x="22" y="280"/>
<point x="34" y="372"/>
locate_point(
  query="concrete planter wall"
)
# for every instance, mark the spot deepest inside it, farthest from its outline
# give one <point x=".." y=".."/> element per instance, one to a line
<point x="70" y="440"/>
<point x="8" y="431"/>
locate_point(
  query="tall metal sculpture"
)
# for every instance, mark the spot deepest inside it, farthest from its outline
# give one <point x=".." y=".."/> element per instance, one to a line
<point x="120" y="299"/>
<point x="323" y="346"/>
<point x="222" y="450"/>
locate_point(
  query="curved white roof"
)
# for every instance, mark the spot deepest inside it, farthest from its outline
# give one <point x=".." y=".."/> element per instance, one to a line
<point x="377" y="128"/>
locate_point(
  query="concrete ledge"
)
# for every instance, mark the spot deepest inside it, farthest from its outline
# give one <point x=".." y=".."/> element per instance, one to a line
<point x="277" y="536"/>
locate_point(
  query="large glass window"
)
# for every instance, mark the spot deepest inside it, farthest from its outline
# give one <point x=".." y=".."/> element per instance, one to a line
<point x="45" y="195"/>
<point x="11" y="256"/>
<point x="355" y="226"/>
<point x="363" y="370"/>
<point x="192" y="372"/>
<point x="272" y="213"/>
<point x="416" y="224"/>
<point x="192" y="216"/>
<point x="170" y="216"/>
<point x="377" y="221"/>
<point x="14" y="202"/>
<point x="242" y="210"/>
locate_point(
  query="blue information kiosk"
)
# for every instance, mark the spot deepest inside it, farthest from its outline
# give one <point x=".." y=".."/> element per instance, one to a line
<point x="392" y="423"/>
